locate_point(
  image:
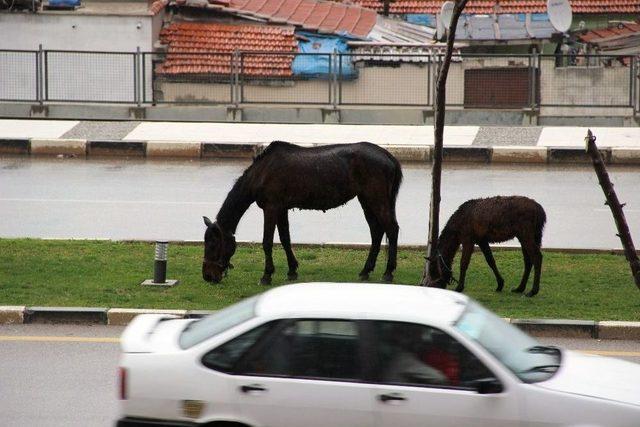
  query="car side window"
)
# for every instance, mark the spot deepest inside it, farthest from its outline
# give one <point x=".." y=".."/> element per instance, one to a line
<point x="224" y="357"/>
<point x="419" y="355"/>
<point x="318" y="349"/>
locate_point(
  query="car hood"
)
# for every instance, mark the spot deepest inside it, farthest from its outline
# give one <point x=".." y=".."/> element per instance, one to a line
<point x="149" y="333"/>
<point x="598" y="377"/>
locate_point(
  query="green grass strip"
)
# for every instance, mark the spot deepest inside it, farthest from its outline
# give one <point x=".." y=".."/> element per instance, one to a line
<point x="108" y="274"/>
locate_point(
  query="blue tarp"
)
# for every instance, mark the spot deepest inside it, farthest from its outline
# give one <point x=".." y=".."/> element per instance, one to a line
<point x="428" y="20"/>
<point x="318" y="65"/>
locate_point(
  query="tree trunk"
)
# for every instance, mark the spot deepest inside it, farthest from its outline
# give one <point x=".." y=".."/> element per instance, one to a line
<point x="615" y="206"/>
<point x="436" y="171"/>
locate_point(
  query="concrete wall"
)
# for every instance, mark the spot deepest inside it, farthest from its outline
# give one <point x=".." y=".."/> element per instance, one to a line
<point x="76" y="32"/>
<point x="574" y="86"/>
<point x="74" y="76"/>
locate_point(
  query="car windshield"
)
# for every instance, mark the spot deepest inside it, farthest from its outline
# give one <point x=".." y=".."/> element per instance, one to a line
<point x="212" y="325"/>
<point x="520" y="353"/>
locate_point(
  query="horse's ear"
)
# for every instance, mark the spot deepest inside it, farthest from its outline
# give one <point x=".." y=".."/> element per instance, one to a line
<point x="207" y="221"/>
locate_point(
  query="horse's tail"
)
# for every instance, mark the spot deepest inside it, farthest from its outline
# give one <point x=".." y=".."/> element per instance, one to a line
<point x="395" y="182"/>
<point x="540" y="220"/>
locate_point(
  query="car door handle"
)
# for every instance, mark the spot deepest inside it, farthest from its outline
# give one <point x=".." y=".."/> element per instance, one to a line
<point x="252" y="387"/>
<point x="391" y="396"/>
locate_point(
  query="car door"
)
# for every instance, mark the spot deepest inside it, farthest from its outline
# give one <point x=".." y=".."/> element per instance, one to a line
<point x="308" y="373"/>
<point x="424" y="377"/>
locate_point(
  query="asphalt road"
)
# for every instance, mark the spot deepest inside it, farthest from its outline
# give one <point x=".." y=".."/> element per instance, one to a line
<point x="64" y="375"/>
<point x="144" y="199"/>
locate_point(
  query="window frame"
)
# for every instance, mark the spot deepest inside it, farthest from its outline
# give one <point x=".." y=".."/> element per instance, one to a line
<point x="373" y="347"/>
<point x="276" y="326"/>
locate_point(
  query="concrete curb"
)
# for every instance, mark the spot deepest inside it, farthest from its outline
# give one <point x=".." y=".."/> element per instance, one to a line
<point x="209" y="150"/>
<point x="558" y="328"/>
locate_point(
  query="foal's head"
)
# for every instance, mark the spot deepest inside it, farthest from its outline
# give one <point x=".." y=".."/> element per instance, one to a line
<point x="439" y="273"/>
<point x="219" y="247"/>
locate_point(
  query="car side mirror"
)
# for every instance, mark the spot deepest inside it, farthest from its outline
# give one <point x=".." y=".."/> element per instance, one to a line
<point x="488" y="386"/>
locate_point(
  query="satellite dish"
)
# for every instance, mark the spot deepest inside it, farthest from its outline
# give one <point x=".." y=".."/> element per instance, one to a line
<point x="446" y="13"/>
<point x="560" y="14"/>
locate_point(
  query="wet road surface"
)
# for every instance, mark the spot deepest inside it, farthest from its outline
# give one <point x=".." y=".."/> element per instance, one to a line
<point x="65" y="375"/>
<point x="149" y="200"/>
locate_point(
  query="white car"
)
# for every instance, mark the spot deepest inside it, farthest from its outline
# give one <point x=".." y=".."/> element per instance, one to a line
<point x="329" y="354"/>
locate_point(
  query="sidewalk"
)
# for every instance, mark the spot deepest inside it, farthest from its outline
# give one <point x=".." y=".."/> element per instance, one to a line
<point x="211" y="140"/>
<point x="558" y="328"/>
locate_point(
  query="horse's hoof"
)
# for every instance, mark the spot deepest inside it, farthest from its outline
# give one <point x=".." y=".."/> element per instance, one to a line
<point x="364" y="277"/>
<point x="530" y="294"/>
<point x="387" y="278"/>
<point x="265" y="281"/>
<point x="499" y="289"/>
<point x="517" y="291"/>
<point x="459" y="289"/>
<point x="292" y="276"/>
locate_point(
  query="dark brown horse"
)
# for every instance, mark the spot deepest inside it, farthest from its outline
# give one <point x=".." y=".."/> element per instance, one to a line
<point x="491" y="220"/>
<point x="286" y="176"/>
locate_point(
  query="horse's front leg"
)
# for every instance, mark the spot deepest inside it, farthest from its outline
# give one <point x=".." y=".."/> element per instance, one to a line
<point x="270" y="219"/>
<point x="467" y="250"/>
<point x="285" y="239"/>
<point x="488" y="256"/>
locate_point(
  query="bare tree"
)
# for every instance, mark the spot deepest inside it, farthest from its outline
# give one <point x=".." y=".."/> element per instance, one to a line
<point x="436" y="171"/>
<point x="615" y="206"/>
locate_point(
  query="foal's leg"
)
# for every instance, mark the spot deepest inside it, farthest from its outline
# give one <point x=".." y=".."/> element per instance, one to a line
<point x="285" y="239"/>
<point x="376" y="239"/>
<point x="536" y="257"/>
<point x="270" y="219"/>
<point x="488" y="255"/>
<point x="467" y="250"/>
<point x="527" y="269"/>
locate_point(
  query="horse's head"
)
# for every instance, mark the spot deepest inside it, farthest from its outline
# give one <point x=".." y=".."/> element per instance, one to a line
<point x="219" y="247"/>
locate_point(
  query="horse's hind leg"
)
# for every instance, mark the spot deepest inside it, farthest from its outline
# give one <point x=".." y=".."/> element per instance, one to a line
<point x="488" y="256"/>
<point x="376" y="239"/>
<point x="527" y="267"/>
<point x="391" y="230"/>
<point x="270" y="219"/>
<point x="285" y="239"/>
<point x="467" y="250"/>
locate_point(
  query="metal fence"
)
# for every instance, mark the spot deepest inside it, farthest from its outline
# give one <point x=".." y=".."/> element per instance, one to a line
<point x="338" y="79"/>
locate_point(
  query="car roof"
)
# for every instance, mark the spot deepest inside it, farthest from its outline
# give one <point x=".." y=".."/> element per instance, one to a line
<point x="362" y="301"/>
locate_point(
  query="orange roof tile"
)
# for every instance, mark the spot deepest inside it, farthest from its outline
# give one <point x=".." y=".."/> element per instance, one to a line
<point x="190" y="46"/>
<point x="504" y="6"/>
<point x="326" y="16"/>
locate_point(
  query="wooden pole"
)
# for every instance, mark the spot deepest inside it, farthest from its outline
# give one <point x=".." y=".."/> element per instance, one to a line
<point x="436" y="171"/>
<point x="615" y="206"/>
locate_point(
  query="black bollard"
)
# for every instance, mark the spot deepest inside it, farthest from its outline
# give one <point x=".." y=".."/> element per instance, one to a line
<point x="160" y="267"/>
<point x="160" y="262"/>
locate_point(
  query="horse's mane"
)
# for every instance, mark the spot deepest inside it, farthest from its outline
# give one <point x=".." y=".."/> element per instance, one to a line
<point x="274" y="146"/>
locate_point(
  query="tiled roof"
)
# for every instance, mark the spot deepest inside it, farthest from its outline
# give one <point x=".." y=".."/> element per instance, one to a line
<point x="614" y="32"/>
<point x="504" y="6"/>
<point x="315" y="15"/>
<point x="620" y="39"/>
<point x="157" y="6"/>
<point x="190" y="45"/>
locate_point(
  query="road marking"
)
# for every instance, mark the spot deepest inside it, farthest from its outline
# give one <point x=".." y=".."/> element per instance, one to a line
<point x="59" y="339"/>
<point x="107" y="202"/>
<point x="115" y="340"/>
